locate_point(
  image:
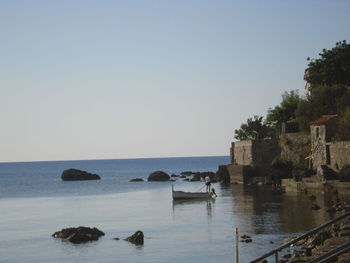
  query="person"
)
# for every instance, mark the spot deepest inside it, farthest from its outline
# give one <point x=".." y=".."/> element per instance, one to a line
<point x="207" y="183"/>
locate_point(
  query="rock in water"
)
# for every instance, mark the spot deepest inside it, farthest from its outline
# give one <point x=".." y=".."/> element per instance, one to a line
<point x="136" y="238"/>
<point x="136" y="180"/>
<point x="79" y="235"/>
<point x="158" y="176"/>
<point x="75" y="174"/>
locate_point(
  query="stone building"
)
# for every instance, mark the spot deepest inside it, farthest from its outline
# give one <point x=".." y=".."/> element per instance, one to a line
<point x="321" y="132"/>
<point x="251" y="158"/>
<point x="325" y="150"/>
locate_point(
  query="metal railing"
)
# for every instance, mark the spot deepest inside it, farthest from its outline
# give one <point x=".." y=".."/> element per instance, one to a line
<point x="332" y="254"/>
<point x="306" y="235"/>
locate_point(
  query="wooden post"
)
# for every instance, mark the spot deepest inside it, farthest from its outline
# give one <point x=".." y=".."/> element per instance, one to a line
<point x="237" y="242"/>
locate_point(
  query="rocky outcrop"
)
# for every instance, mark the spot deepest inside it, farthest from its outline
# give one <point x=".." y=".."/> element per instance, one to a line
<point x="295" y="147"/>
<point x="323" y="241"/>
<point x="158" y="176"/>
<point x="201" y="175"/>
<point x="187" y="173"/>
<point x="136" y="238"/>
<point x="223" y="174"/>
<point x="75" y="174"/>
<point x="79" y="235"/>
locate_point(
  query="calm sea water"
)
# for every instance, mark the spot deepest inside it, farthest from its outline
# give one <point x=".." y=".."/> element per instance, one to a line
<point x="34" y="203"/>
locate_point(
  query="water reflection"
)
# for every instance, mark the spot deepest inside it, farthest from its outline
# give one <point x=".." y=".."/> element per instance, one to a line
<point x="192" y="203"/>
<point x="270" y="212"/>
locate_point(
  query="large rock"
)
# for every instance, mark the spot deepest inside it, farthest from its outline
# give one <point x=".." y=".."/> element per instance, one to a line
<point x="79" y="235"/>
<point x="75" y="174"/>
<point x="158" y="176"/>
<point x="136" y="238"/>
<point x="187" y="173"/>
<point x="222" y="174"/>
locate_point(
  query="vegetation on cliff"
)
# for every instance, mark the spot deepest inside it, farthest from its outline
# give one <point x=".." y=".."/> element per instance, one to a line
<point x="255" y="129"/>
<point x="328" y="92"/>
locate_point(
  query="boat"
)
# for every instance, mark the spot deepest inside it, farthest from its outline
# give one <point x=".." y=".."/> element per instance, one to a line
<point x="192" y="195"/>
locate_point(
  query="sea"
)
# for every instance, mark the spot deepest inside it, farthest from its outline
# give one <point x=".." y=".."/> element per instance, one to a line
<point x="35" y="203"/>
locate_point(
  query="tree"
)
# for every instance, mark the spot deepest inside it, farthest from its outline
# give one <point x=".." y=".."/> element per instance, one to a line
<point x="254" y="129"/>
<point x="332" y="68"/>
<point x="329" y="81"/>
<point x="286" y="110"/>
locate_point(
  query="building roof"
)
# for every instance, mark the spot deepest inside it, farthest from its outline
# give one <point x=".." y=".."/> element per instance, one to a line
<point x="323" y="119"/>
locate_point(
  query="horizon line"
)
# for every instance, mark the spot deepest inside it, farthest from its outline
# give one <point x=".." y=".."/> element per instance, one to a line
<point x="106" y="159"/>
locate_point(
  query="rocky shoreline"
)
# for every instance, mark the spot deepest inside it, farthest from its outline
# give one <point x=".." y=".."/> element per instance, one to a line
<point x="324" y="240"/>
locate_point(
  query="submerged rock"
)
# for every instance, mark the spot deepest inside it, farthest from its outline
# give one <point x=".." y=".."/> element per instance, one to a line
<point x="75" y="174"/>
<point x="136" y="180"/>
<point x="246" y="239"/>
<point x="136" y="238"/>
<point x="79" y="235"/>
<point x="158" y="176"/>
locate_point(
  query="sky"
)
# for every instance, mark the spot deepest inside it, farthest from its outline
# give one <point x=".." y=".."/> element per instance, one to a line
<point x="106" y="79"/>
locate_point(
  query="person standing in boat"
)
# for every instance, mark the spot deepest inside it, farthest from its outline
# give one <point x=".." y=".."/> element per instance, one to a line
<point x="207" y="183"/>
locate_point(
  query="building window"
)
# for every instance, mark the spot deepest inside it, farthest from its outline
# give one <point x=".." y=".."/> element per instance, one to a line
<point x="317" y="132"/>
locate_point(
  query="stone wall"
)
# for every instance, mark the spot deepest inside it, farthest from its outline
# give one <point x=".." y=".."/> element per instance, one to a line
<point x="295" y="147"/>
<point x="321" y="135"/>
<point x="242" y="153"/>
<point x="240" y="174"/>
<point x="339" y="154"/>
<point x="257" y="154"/>
<point x="263" y="153"/>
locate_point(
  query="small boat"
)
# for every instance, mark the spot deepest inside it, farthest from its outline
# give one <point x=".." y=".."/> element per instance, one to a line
<point x="192" y="195"/>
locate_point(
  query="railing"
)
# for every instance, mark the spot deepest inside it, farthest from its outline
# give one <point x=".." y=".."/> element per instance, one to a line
<point x="332" y="254"/>
<point x="306" y="235"/>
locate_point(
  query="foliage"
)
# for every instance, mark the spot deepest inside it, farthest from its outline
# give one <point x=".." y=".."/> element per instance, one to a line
<point x="286" y="110"/>
<point x="332" y="68"/>
<point x="329" y="79"/>
<point x="343" y="128"/>
<point x="254" y="129"/>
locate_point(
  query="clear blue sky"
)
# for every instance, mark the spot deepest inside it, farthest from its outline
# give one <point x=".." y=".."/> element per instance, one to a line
<point x="133" y="79"/>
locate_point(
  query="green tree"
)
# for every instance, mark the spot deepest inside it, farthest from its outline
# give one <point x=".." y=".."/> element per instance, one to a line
<point x="332" y="68"/>
<point x="329" y="80"/>
<point x="254" y="129"/>
<point x="286" y="110"/>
